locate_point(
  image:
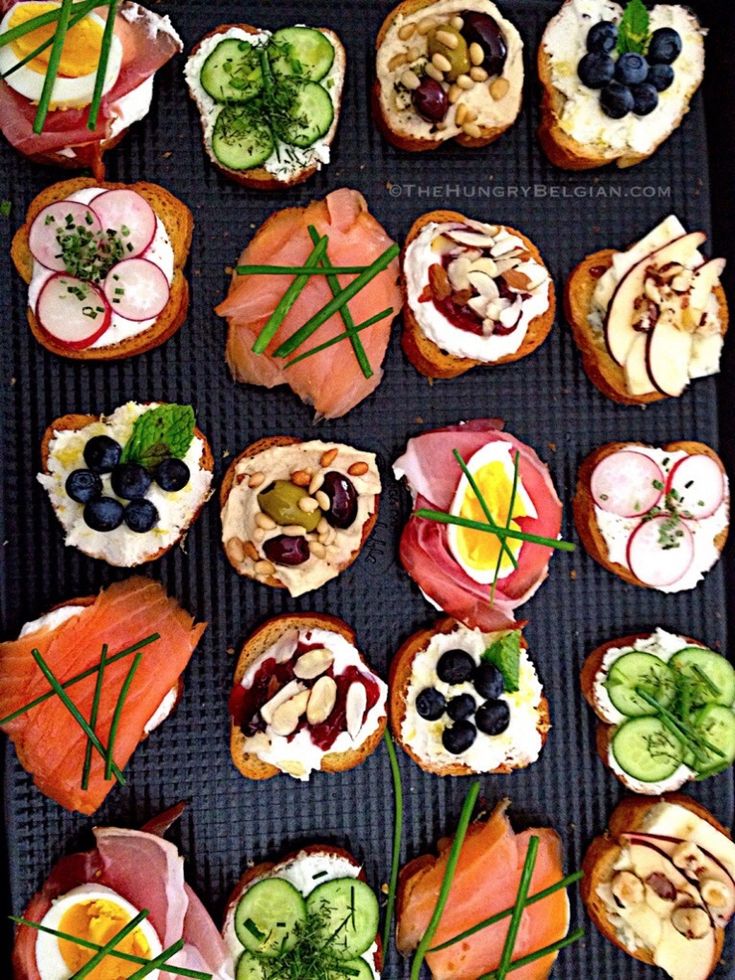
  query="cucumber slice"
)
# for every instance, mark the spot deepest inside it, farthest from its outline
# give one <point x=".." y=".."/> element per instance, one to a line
<point x="644" y="670"/>
<point x="353" y="970"/>
<point x="301" y="52"/>
<point x="716" y="723"/>
<point x="249" y="968"/>
<point x="232" y="72"/>
<point x="349" y="912"/>
<point x="268" y="917"/>
<point x="715" y="668"/>
<point x="241" y="140"/>
<point x="308" y="116"/>
<point x="646" y="750"/>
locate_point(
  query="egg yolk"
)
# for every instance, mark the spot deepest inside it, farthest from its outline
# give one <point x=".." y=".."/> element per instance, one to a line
<point x="82" y="45"/>
<point x="478" y="549"/>
<point x="97" y="922"/>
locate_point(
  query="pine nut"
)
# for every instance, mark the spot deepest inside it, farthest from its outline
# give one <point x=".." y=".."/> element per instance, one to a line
<point x="477" y="55"/>
<point x="473" y="130"/>
<point x="258" y="534"/>
<point x="317" y="549"/>
<point x="441" y="63"/>
<point x="397" y="60"/>
<point x="308" y="505"/>
<point x="294" y="531"/>
<point x="433" y="72"/>
<point x="262" y="520"/>
<point x="406" y="31"/>
<point x="457" y="23"/>
<point x="301" y="478"/>
<point x="316" y="482"/>
<point x="358" y="469"/>
<point x="322" y="499"/>
<point x="256" y="480"/>
<point x="461" y="114"/>
<point x="425" y="25"/>
<point x="465" y="82"/>
<point x="410" y="80"/>
<point x="235" y="551"/>
<point x="499" y="88"/>
<point x="454" y="93"/>
<point x="478" y="74"/>
<point x="448" y="40"/>
<point x="323" y="526"/>
<point x="471" y="115"/>
<point x="414" y="54"/>
<point x="328" y="457"/>
<point x="265" y="568"/>
<point x="251" y="551"/>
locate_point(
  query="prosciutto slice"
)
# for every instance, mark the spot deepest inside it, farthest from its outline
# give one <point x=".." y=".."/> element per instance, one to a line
<point x="433" y="475"/>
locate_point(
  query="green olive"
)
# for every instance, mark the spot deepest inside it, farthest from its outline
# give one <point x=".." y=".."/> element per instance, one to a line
<point x="280" y="501"/>
<point x="458" y="56"/>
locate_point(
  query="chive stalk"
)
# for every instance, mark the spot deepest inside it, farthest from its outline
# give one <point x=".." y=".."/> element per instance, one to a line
<point x="339" y="338"/>
<point x="441" y="518"/>
<point x="539" y="954"/>
<point x="297" y="270"/>
<point x="515" y="917"/>
<point x="109" y="762"/>
<point x="99" y="81"/>
<point x="52" y="69"/>
<point x="397" y="835"/>
<point x="160" y="960"/>
<point x="93" y="717"/>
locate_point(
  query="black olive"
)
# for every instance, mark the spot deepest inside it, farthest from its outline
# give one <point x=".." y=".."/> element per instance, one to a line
<point x="488" y="680"/>
<point x="459" y="737"/>
<point x="455" y="667"/>
<point x="461" y="707"/>
<point x="342" y="496"/>
<point x="493" y="717"/>
<point x="430" y="704"/>
<point x="283" y="550"/>
<point x="484" y="30"/>
<point x="430" y="100"/>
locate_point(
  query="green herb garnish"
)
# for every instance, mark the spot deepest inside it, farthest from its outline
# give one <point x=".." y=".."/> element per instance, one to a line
<point x="5" y="208"/>
<point x="397" y="835"/>
<point x="515" y="917"/>
<point x="634" y="28"/>
<point x="159" y="433"/>
<point x="505" y="654"/>
<point x="443" y="518"/>
<point x="93" y="717"/>
<point x="53" y="66"/>
<point x="99" y="81"/>
<point x="551" y="950"/>
<point x="124" y="690"/>
<point x="339" y="338"/>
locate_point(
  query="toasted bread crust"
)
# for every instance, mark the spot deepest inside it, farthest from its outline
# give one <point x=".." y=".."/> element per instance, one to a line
<point x="426" y="356"/>
<point x="603" y="852"/>
<point x="179" y="224"/>
<point x="601" y="369"/>
<point x="259" y="178"/>
<point x="96" y="165"/>
<point x="584" y="506"/>
<point x="268" y="633"/>
<point x="398" y="684"/>
<point x="229" y="478"/>
<point x="74" y="422"/>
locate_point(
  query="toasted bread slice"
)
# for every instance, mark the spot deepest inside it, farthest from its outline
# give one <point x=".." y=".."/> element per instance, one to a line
<point x="179" y="224"/>
<point x="404" y="139"/>
<point x="604" y="851"/>
<point x="601" y="369"/>
<point x="570" y="154"/>
<point x="258" y="178"/>
<point x="426" y="356"/>
<point x="74" y="422"/>
<point x="250" y="765"/>
<point x="584" y="504"/>
<point x="399" y="681"/>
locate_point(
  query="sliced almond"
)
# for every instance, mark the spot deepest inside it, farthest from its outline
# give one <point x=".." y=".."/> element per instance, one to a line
<point x="287" y="692"/>
<point x="502" y="246"/>
<point x="474" y="239"/>
<point x="486" y="265"/>
<point x="457" y="272"/>
<point x="516" y="280"/>
<point x="355" y="708"/>
<point x="323" y="697"/>
<point x="510" y="316"/>
<point x="286" y="716"/>
<point x="313" y="663"/>
<point x="478" y="304"/>
<point x="483" y="283"/>
<point x="439" y="281"/>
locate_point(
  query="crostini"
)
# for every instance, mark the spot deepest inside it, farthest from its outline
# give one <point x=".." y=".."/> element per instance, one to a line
<point x="296" y="514"/>
<point x="269" y="102"/>
<point x="277" y="333"/>
<point x="310" y="912"/>
<point x="304" y="699"/>
<point x="649" y="319"/>
<point x="469" y="572"/>
<point x="660" y="884"/>
<point x="127" y="486"/>
<point x="104" y="264"/>
<point x="475" y="294"/>
<point x="78" y="124"/>
<point x="656" y="517"/>
<point x="447" y="70"/>
<point x="464" y="702"/>
<point x="617" y="81"/>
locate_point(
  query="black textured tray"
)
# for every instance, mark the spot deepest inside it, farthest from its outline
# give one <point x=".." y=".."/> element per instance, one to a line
<point x="546" y="400"/>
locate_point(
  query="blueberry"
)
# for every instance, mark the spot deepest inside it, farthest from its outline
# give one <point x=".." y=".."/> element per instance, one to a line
<point x="455" y="667"/>
<point x="459" y="737"/>
<point x="665" y="46"/>
<point x="83" y="486"/>
<point x="104" y="514"/>
<point x="645" y="98"/>
<point x="616" y="100"/>
<point x="488" y="680"/>
<point x="141" y="516"/>
<point x="493" y="717"/>
<point x="461" y="707"/>
<point x="602" y="36"/>
<point x="102" y="454"/>
<point x="129" y="480"/>
<point x="631" y="68"/>
<point x="431" y="704"/>
<point x="596" y="69"/>
<point x="172" y="474"/>
<point x="660" y="76"/>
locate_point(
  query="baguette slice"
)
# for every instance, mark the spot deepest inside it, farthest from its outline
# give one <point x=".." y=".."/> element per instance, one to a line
<point x="179" y="224"/>
<point x="604" y="851"/>
<point x="250" y="765"/>
<point x="75" y="422"/>
<point x="584" y="505"/>
<point x="601" y="369"/>
<point x="258" y="178"/>
<point x="427" y="357"/>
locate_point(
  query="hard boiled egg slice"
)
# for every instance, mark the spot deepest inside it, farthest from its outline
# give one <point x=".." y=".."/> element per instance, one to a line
<point x="74" y="85"/>
<point x="94" y="913"/>
<point x="477" y="552"/>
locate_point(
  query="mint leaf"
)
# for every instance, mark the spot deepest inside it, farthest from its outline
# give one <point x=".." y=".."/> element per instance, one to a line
<point x="505" y="654"/>
<point x="634" y="28"/>
<point x="160" y="433"/>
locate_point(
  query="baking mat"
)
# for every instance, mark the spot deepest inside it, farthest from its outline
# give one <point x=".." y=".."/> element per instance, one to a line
<point x="546" y="400"/>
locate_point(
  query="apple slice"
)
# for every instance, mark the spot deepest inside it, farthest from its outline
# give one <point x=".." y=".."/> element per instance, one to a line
<point x="668" y="352"/>
<point x="637" y="379"/>
<point x="627" y="483"/>
<point x="651" y="557"/>
<point x="699" y="484"/>
<point x="705" y="279"/>
<point x="73" y="312"/>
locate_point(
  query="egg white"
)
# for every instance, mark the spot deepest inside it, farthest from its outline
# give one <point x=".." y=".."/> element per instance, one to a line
<point x="68" y="93"/>
<point x="493" y="452"/>
<point x="50" y="962"/>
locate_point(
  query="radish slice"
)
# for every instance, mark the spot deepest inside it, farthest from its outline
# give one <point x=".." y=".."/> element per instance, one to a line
<point x="651" y="556"/>
<point x="627" y="483"/>
<point x="699" y="485"/>
<point x="136" y="289"/>
<point x="72" y="311"/>
<point x="63" y="217"/>
<point x="130" y="215"/>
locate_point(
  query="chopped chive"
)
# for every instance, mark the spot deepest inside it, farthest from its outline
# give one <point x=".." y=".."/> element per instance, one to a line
<point x="539" y="954"/>
<point x="483" y="503"/>
<point x="160" y="960"/>
<point x="52" y="69"/>
<point x="101" y="954"/>
<point x="99" y="81"/>
<point x="515" y="918"/>
<point x="340" y="337"/>
<point x="253" y="929"/>
<point x="118" y="713"/>
<point x="298" y="270"/>
<point x="93" y="717"/>
<point x="678" y="727"/>
<point x="397" y="836"/>
<point x="441" y="518"/>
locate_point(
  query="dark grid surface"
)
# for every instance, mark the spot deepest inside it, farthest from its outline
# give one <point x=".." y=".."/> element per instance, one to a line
<point x="546" y="400"/>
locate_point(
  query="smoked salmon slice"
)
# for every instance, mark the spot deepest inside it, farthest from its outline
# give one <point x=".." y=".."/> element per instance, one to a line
<point x="332" y="381"/>
<point x="48" y="741"/>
